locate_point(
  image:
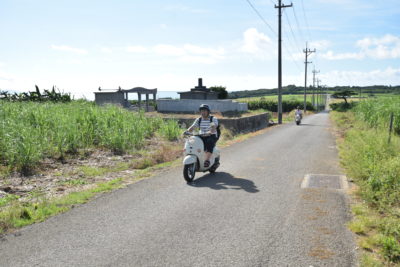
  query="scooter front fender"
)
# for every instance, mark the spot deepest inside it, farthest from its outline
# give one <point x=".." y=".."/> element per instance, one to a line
<point x="189" y="159"/>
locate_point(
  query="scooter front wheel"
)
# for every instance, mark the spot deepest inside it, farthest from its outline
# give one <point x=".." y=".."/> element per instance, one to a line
<point x="189" y="171"/>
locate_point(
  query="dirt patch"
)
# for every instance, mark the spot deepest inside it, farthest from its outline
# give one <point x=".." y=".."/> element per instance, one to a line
<point x="56" y="178"/>
<point x="321" y="253"/>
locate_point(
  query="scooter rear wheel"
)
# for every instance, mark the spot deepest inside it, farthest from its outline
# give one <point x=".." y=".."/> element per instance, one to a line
<point x="189" y="171"/>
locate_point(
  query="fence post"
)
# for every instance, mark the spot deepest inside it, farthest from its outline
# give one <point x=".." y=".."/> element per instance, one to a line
<point x="390" y="127"/>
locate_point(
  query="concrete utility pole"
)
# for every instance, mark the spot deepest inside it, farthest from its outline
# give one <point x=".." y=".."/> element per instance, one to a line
<point x="279" y="7"/>
<point x="307" y="52"/>
<point x="313" y="98"/>
<point x="318" y="89"/>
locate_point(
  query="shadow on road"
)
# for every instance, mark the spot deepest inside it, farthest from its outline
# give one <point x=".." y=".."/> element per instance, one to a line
<point x="223" y="180"/>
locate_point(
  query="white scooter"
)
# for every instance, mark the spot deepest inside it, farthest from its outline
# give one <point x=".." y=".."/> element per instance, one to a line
<point x="195" y="157"/>
<point x="297" y="119"/>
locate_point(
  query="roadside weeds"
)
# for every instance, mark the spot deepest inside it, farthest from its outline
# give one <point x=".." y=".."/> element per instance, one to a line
<point x="83" y="183"/>
<point x="374" y="167"/>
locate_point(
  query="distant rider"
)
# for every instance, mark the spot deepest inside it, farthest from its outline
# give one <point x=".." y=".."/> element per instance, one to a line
<point x="298" y="111"/>
<point x="208" y="131"/>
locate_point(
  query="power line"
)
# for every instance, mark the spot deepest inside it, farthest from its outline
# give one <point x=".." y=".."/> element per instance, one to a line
<point x="296" y="42"/>
<point x="298" y="24"/>
<point x="261" y="17"/>
<point x="305" y="18"/>
<point x="294" y="61"/>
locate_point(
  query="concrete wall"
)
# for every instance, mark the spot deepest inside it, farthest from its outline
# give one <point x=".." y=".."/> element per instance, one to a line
<point x="192" y="105"/>
<point x="103" y="98"/>
<point x="237" y="125"/>
<point x="199" y="95"/>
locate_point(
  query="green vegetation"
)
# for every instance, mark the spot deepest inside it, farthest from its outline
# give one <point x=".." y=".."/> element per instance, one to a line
<point x="221" y="90"/>
<point x="30" y="132"/>
<point x="36" y="96"/>
<point x="272" y="105"/>
<point x="342" y="106"/>
<point x="19" y="214"/>
<point x="344" y="95"/>
<point x="299" y="90"/>
<point x="374" y="164"/>
<point x="376" y="112"/>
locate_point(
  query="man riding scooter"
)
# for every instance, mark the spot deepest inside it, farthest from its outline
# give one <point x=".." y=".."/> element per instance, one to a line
<point x="299" y="112"/>
<point x="298" y="115"/>
<point x="208" y="129"/>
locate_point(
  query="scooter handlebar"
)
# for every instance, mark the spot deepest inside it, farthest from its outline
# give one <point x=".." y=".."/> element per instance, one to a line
<point x="187" y="133"/>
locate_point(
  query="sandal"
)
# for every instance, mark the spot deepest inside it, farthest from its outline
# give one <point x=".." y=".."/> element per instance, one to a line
<point x="206" y="164"/>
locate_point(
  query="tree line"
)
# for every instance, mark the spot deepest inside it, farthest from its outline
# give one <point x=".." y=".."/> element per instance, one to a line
<point x="293" y="90"/>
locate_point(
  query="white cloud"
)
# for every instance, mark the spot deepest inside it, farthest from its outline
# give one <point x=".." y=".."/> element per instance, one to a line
<point x="198" y="50"/>
<point x="5" y="76"/>
<point x="320" y="44"/>
<point x="330" y="55"/>
<point x="69" y="49"/>
<point x="106" y="50"/>
<point x="191" y="53"/>
<point x="255" y="42"/>
<point x="386" y="76"/>
<point x="182" y="8"/>
<point x="136" y="49"/>
<point x="386" y="47"/>
<point x="380" y="48"/>
<point x="169" y="50"/>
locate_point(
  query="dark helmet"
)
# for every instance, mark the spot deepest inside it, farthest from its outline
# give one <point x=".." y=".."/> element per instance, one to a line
<point x="204" y="106"/>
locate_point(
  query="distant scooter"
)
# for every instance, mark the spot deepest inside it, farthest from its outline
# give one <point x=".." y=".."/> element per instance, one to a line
<point x="297" y="119"/>
<point x="195" y="157"/>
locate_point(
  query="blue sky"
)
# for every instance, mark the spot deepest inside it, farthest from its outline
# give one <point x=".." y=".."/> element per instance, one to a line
<point x="81" y="45"/>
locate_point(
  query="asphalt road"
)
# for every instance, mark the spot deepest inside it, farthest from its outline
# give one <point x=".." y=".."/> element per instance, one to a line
<point x="252" y="212"/>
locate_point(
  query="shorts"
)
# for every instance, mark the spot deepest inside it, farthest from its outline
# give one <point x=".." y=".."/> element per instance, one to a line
<point x="209" y="142"/>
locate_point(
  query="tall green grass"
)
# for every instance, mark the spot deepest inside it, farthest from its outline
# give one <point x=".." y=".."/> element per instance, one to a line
<point x="30" y="132"/>
<point x="374" y="164"/>
<point x="368" y="156"/>
<point x="376" y="112"/>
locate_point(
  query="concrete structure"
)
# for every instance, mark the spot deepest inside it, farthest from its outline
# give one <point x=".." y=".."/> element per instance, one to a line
<point x="199" y="92"/>
<point x="120" y="97"/>
<point x="236" y="125"/>
<point x="192" y="105"/>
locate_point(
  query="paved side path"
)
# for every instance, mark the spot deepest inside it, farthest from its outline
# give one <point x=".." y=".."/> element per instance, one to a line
<point x="250" y="213"/>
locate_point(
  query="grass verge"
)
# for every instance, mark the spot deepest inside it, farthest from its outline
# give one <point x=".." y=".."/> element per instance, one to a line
<point x="19" y="214"/>
<point x="374" y="166"/>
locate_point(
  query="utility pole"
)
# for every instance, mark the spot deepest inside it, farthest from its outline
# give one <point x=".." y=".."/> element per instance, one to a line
<point x="318" y="88"/>
<point x="307" y="52"/>
<point x="314" y="72"/>
<point x="279" y="7"/>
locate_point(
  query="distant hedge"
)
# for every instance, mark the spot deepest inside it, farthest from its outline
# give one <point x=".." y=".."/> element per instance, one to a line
<point x="270" y="105"/>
